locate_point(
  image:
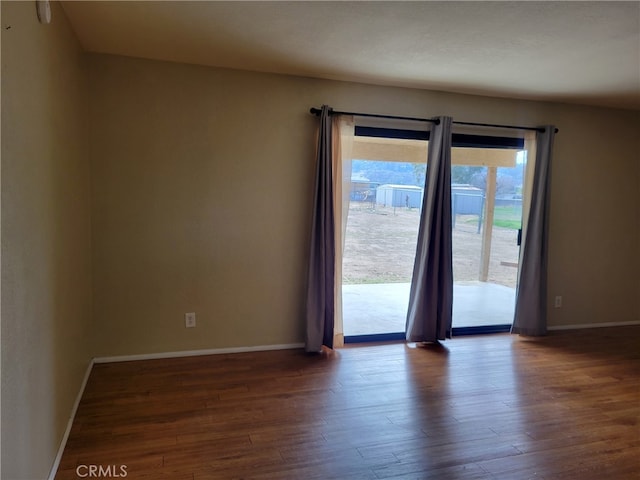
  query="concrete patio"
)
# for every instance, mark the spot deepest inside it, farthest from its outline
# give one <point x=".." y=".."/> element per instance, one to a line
<point x="382" y="308"/>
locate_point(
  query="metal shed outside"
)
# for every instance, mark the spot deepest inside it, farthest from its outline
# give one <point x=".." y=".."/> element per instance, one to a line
<point x="409" y="196"/>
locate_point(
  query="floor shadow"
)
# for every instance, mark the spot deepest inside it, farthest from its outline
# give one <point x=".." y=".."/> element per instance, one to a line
<point x="606" y="342"/>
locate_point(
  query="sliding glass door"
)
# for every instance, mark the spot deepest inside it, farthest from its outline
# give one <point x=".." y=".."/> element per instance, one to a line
<point x="380" y="245"/>
<point x="487" y="220"/>
<point x="387" y="182"/>
<point x="387" y="177"/>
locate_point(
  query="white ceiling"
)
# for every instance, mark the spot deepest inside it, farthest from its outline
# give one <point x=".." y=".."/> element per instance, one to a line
<point x="577" y="52"/>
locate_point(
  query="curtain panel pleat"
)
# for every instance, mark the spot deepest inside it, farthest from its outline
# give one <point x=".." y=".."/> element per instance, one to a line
<point x="321" y="276"/>
<point x="530" y="317"/>
<point x="429" y="315"/>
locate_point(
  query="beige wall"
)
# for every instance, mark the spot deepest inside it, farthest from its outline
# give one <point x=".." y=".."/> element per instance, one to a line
<point x="202" y="185"/>
<point x="199" y="200"/>
<point x="46" y="276"/>
<point x="595" y="218"/>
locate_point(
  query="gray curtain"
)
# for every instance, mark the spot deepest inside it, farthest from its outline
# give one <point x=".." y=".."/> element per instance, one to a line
<point x="530" y="316"/>
<point x="431" y="298"/>
<point x="321" y="281"/>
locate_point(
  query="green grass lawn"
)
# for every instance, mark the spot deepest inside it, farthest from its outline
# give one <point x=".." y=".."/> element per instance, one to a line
<point x="505" y="217"/>
<point x="508" y="217"/>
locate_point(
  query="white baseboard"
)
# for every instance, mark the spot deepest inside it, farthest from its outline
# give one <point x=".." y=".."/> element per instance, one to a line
<point x="195" y="353"/>
<point x="593" y="325"/>
<point x="63" y="444"/>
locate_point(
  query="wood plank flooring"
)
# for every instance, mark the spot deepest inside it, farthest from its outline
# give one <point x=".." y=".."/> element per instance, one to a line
<point x="566" y="406"/>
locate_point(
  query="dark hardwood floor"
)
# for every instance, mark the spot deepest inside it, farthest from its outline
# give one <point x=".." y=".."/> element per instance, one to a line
<point x="565" y="406"/>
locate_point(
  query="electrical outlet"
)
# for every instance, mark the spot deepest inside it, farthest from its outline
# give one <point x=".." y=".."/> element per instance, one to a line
<point x="558" y="302"/>
<point x="190" y="320"/>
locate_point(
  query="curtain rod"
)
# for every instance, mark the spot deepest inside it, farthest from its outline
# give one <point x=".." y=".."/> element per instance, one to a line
<point x="316" y="111"/>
